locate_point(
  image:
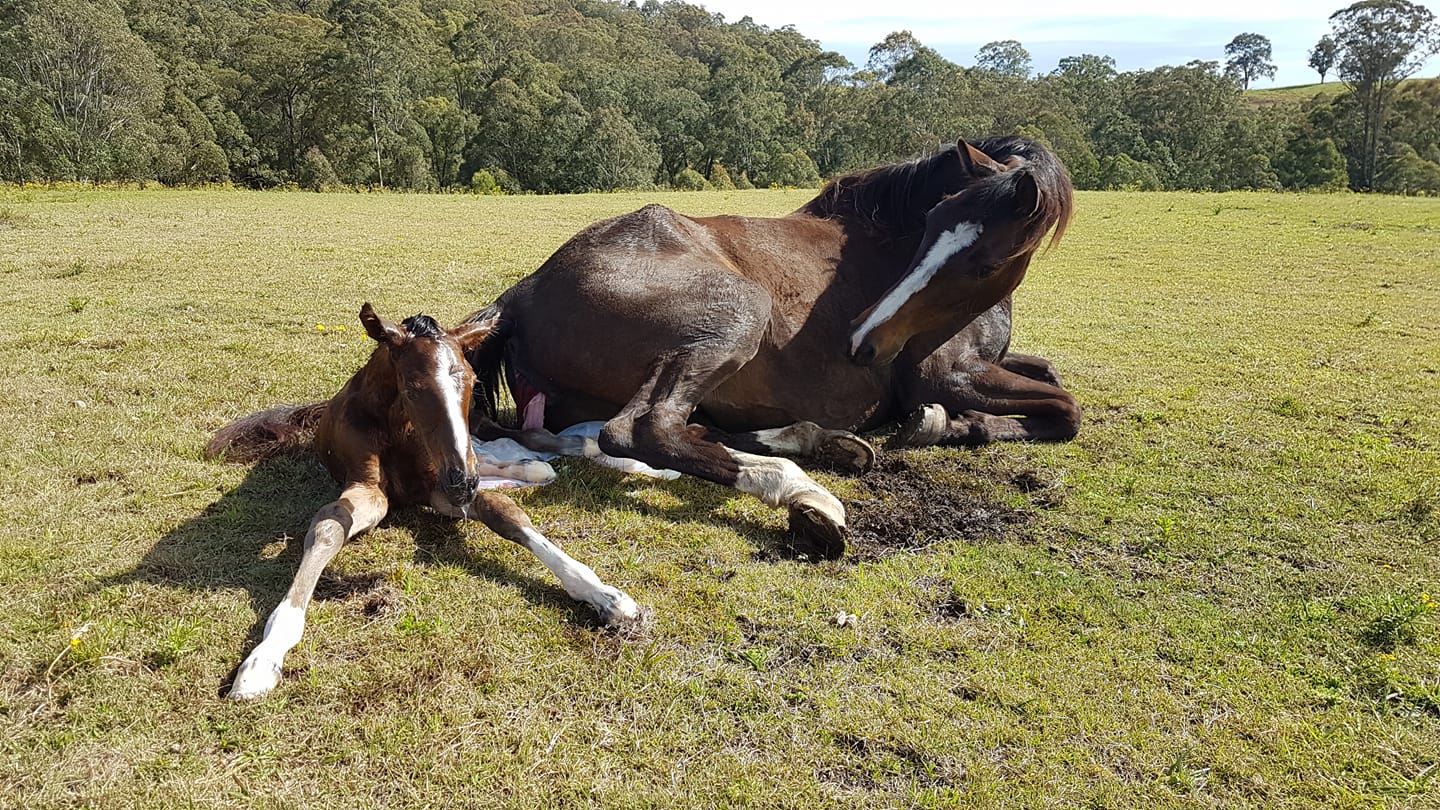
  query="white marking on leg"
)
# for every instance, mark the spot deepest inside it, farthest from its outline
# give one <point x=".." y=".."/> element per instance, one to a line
<point x="945" y="247"/>
<point x="450" y="391"/>
<point x="790" y="440"/>
<point x="580" y="581"/>
<point x="781" y="482"/>
<point x="261" y="671"/>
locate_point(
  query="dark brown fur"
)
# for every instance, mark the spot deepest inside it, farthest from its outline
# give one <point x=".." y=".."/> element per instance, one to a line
<point x="653" y="318"/>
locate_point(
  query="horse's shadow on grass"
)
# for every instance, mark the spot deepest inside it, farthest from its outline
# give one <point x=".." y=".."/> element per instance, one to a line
<point x="251" y="539"/>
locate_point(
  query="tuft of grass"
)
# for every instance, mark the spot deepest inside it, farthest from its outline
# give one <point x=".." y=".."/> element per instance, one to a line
<point x="1397" y="620"/>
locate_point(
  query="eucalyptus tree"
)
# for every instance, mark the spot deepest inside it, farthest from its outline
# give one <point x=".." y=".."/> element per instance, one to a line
<point x="1379" y="43"/>
<point x="1322" y="56"/>
<point x="1247" y="58"/>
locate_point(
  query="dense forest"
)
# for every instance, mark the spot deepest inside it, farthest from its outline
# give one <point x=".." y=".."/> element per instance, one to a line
<point x="576" y="95"/>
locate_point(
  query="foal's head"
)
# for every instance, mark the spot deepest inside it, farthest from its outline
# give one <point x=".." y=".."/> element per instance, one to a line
<point x="977" y="246"/>
<point x="434" y="384"/>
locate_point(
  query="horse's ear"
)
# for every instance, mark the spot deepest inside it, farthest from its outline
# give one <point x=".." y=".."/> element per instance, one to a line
<point x="977" y="163"/>
<point x="1027" y="194"/>
<point x="471" y="335"/>
<point x="378" y="328"/>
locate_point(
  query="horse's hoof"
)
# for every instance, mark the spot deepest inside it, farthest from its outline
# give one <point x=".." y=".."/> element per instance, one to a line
<point x="615" y="607"/>
<point x="926" y="426"/>
<point x="256" y="679"/>
<point x="844" y="451"/>
<point x="815" y="534"/>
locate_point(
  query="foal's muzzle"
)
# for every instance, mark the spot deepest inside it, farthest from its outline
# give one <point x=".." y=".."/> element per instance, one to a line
<point x="458" y="486"/>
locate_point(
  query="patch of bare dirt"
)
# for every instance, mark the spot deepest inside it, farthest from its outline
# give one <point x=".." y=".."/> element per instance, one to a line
<point x="917" y="503"/>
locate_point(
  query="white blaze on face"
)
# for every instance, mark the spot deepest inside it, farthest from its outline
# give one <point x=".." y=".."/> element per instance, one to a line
<point x="945" y="247"/>
<point x="446" y="366"/>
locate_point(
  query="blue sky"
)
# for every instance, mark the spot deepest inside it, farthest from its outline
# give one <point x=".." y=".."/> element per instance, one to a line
<point x="1137" y="34"/>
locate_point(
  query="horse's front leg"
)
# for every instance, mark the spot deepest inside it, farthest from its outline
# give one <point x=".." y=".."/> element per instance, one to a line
<point x="504" y="517"/>
<point x="1033" y="366"/>
<point x="837" y="449"/>
<point x="977" y="403"/>
<point x="358" y="509"/>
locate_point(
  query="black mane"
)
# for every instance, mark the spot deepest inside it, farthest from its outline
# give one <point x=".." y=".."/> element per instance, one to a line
<point x="422" y="326"/>
<point x="891" y="201"/>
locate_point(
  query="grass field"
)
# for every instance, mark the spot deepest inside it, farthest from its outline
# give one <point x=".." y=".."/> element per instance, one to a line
<point x="1298" y="94"/>
<point x="1219" y="595"/>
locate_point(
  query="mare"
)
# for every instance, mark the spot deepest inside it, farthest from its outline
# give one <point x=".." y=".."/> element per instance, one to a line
<point x="396" y="434"/>
<point x="717" y="345"/>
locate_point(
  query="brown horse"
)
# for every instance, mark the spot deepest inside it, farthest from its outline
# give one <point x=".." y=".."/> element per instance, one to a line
<point x="397" y="434"/>
<point x="885" y="298"/>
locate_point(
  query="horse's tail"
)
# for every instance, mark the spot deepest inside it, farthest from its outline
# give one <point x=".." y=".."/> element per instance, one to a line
<point x="1056" y="192"/>
<point x="269" y="433"/>
<point x="490" y="364"/>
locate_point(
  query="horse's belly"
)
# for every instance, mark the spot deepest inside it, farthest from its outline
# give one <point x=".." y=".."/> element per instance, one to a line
<point x="770" y="392"/>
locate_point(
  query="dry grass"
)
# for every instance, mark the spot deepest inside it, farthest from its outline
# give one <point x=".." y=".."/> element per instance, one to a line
<point x="1211" y="598"/>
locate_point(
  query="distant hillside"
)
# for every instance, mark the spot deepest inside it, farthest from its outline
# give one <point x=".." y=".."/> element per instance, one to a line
<point x="1301" y="93"/>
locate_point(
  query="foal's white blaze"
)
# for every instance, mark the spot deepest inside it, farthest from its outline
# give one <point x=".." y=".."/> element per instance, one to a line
<point x="450" y="389"/>
<point x="948" y="244"/>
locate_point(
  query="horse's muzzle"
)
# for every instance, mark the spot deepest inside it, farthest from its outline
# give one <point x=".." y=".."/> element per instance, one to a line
<point x="864" y="354"/>
<point x="458" y="487"/>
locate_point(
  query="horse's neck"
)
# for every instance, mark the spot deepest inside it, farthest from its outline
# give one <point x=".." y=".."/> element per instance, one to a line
<point x="891" y="200"/>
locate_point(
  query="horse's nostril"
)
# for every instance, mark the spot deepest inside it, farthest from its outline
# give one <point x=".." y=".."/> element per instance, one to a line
<point x="864" y="354"/>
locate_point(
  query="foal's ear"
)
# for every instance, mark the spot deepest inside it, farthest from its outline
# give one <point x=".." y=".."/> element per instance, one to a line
<point x="977" y="163"/>
<point x="471" y="335"/>
<point x="378" y="328"/>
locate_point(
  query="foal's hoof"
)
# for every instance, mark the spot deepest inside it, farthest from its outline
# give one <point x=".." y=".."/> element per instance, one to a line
<point x="256" y="678"/>
<point x="926" y="426"/>
<point x="844" y="451"/>
<point x="615" y="607"/>
<point x="815" y="534"/>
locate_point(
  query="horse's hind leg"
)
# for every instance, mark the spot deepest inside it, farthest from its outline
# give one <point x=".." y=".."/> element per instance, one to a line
<point x="654" y="428"/>
<point x="358" y="509"/>
<point x="987" y="403"/>
<point x="839" y="449"/>
<point x="504" y="517"/>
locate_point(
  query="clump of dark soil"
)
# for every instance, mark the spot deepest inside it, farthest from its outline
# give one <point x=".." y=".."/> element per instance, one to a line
<point x="917" y="503"/>
<point x="372" y="592"/>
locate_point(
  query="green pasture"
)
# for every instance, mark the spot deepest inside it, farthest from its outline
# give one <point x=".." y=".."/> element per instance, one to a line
<point x="1298" y="94"/>
<point x="1221" y="594"/>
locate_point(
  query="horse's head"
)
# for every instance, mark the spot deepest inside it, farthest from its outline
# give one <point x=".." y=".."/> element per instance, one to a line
<point x="977" y="246"/>
<point x="434" y="385"/>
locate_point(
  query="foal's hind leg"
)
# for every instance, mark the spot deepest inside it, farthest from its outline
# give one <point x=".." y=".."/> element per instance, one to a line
<point x="504" y="517"/>
<point x="358" y="509"/>
<point x="654" y="428"/>
<point x="985" y="403"/>
<point x="839" y="449"/>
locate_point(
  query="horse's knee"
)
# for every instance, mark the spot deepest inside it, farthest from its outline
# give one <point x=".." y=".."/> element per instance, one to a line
<point x="1068" y="418"/>
<point x="329" y="529"/>
<point x="617" y="437"/>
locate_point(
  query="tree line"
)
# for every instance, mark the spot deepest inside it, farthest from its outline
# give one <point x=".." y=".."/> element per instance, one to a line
<point x="579" y="95"/>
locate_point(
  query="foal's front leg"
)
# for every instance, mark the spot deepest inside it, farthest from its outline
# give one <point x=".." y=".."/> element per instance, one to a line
<point x="358" y="509"/>
<point x="504" y="517"/>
